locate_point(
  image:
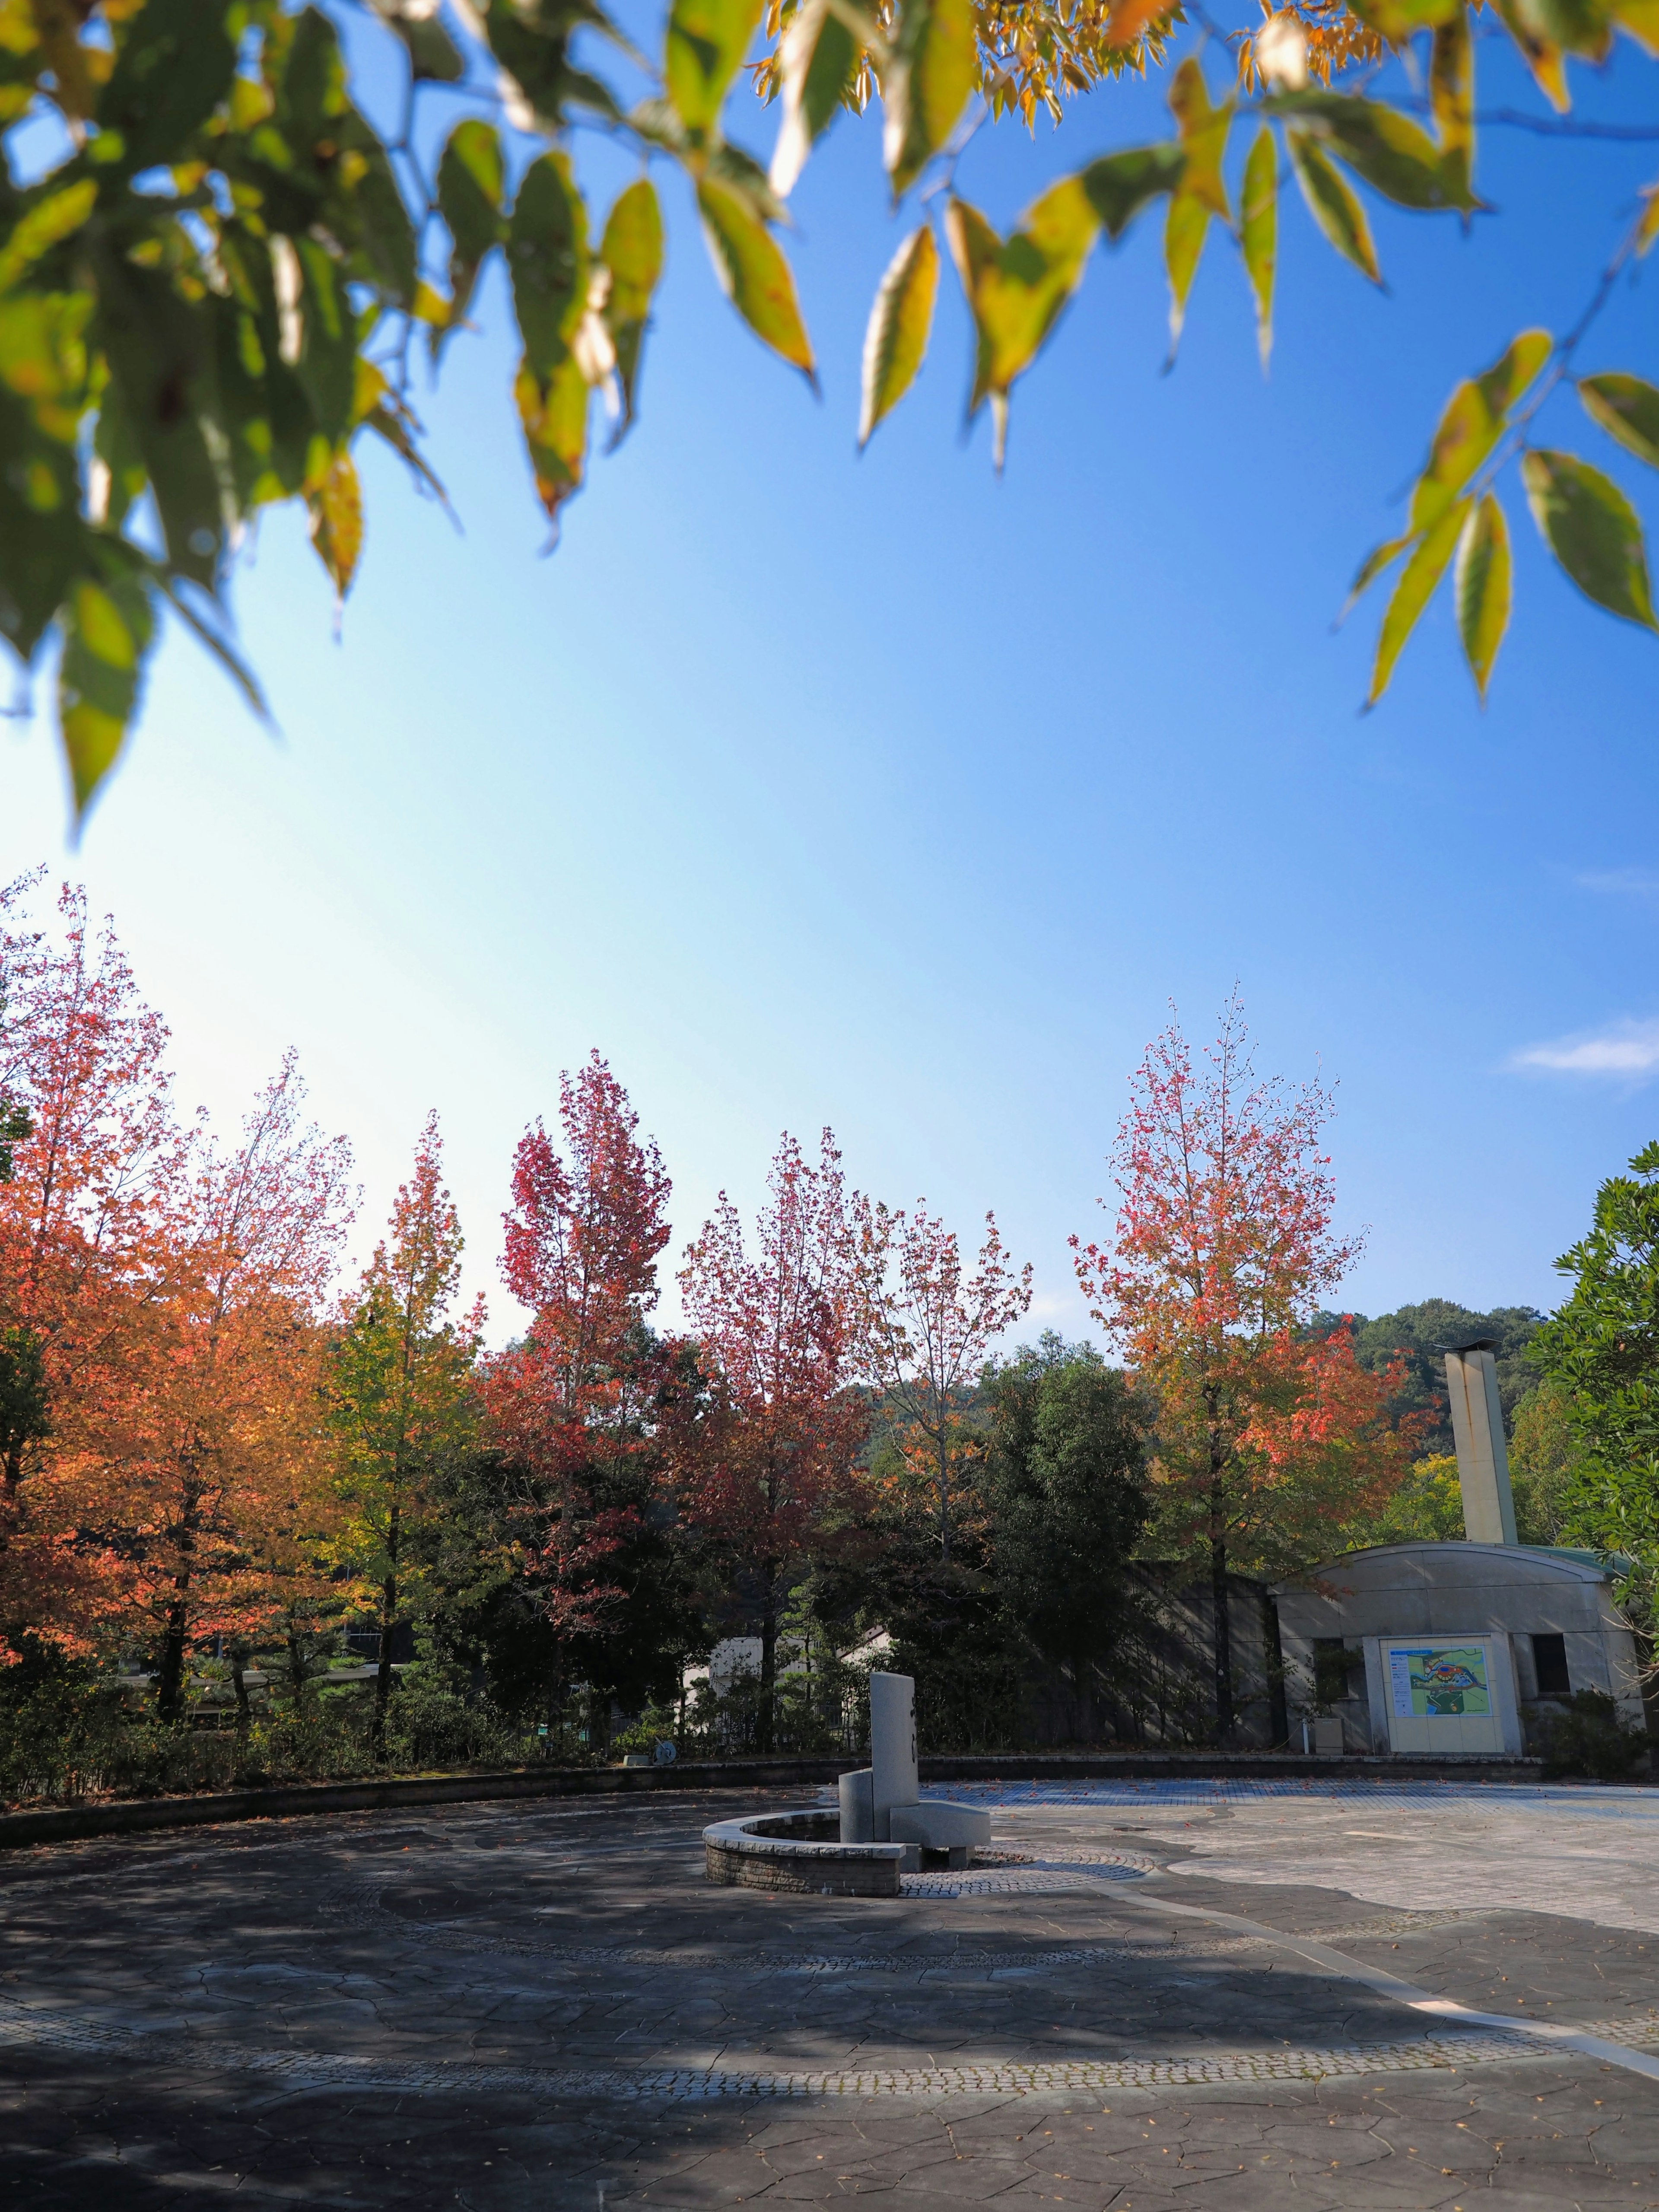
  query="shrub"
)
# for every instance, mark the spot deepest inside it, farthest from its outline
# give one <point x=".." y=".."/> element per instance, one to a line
<point x="1588" y="1738"/>
<point x="430" y="1723"/>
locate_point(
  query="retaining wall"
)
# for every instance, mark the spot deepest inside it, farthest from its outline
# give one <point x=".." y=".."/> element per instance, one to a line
<point x="132" y="1816"/>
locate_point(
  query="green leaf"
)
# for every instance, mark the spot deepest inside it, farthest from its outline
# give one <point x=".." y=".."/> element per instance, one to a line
<point x="1016" y="287"/>
<point x="387" y="423"/>
<point x="1202" y="190"/>
<point x="1451" y="101"/>
<point x="1482" y="585"/>
<point x="816" y="61"/>
<point x="158" y="352"/>
<point x="51" y="220"/>
<point x="118" y="451"/>
<point x="1204" y="130"/>
<point x="1121" y="185"/>
<point x="1592" y="530"/>
<point x="1473" y="422"/>
<point x="1397" y="21"/>
<point x="900" y="320"/>
<point x="1185" y="227"/>
<point x="383" y="247"/>
<point x="1394" y="154"/>
<point x="1576" y="27"/>
<point x="434" y="57"/>
<point x="234" y="666"/>
<point x="547" y="257"/>
<point x="1627" y="409"/>
<point x="1370" y="569"/>
<point x="43" y="356"/>
<point x="471" y="191"/>
<point x="753" y="273"/>
<point x="1259" y="234"/>
<point x="1542" y="56"/>
<point x="531" y="39"/>
<point x="731" y="166"/>
<point x="1332" y="204"/>
<point x="554" y="412"/>
<point x="927" y="83"/>
<point x="106" y="632"/>
<point x="327" y="366"/>
<point x="173" y="65"/>
<point x="631" y="250"/>
<point x="1413" y="593"/>
<point x="706" y="40"/>
<point x="262" y="410"/>
<point x="42" y="538"/>
<point x="1639" y="19"/>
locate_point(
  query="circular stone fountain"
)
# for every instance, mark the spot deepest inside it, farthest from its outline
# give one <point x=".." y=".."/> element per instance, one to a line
<point x="884" y="1827"/>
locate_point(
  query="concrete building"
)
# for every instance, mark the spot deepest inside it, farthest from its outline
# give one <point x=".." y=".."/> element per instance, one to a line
<point x="1454" y="1648"/>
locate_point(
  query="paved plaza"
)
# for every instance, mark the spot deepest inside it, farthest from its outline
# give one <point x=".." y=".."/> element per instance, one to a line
<point x="1271" y="1995"/>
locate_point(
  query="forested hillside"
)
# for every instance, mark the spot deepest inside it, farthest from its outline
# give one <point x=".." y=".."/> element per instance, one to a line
<point x="1418" y="1335"/>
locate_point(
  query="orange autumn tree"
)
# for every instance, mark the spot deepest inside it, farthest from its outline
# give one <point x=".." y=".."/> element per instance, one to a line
<point x="771" y="1469"/>
<point x="1268" y="1439"/>
<point x="216" y="1444"/>
<point x="566" y="1406"/>
<point x="93" y="1151"/>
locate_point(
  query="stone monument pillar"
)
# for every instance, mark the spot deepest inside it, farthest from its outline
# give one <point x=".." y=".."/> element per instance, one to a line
<point x="894" y="1776"/>
<point x="881" y="1804"/>
<point x="1483" y="1463"/>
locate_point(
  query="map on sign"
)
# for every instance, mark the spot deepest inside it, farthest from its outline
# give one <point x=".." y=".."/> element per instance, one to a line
<point x="1428" y="1680"/>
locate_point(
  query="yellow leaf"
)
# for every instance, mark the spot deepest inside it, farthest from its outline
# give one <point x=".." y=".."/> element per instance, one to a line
<point x="1184" y="230"/>
<point x="1258" y="227"/>
<point x="900" y="321"/>
<point x="1412" y="594"/>
<point x="753" y="273"/>
<point x="1482" y="584"/>
<point x="554" y="415"/>
<point x="1451" y="98"/>
<point x="336" y="505"/>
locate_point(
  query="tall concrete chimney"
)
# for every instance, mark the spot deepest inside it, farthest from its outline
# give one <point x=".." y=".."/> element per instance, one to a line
<point x="1483" y="1464"/>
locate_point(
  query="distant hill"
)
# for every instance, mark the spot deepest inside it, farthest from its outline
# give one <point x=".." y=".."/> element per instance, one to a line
<point x="1420" y="1333"/>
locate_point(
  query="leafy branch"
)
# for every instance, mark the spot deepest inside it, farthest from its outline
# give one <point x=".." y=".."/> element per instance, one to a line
<point x="219" y="283"/>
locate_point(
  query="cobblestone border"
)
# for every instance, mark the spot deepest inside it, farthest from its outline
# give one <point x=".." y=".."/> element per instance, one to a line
<point x="22" y="2025"/>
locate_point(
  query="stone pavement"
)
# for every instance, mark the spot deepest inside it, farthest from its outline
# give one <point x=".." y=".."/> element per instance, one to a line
<point x="546" y="2005"/>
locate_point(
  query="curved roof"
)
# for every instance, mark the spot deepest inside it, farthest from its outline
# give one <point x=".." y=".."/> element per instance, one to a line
<point x="1521" y="1561"/>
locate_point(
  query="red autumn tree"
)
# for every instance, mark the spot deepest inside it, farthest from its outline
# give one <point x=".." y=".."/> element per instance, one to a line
<point x="93" y="1151"/>
<point x="769" y="1469"/>
<point x="1268" y="1439"/>
<point x="216" y="1442"/>
<point x="583" y="1238"/>
<point x="925" y="1327"/>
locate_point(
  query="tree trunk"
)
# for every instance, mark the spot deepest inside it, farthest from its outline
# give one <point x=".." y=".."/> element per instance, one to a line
<point x="1225" y="1717"/>
<point x="383" y="1678"/>
<point x="170" y="1693"/>
<point x="768" y="1674"/>
<point x="388" y="1622"/>
<point x="170" y="1689"/>
<point x="296" y="1667"/>
<point x="239" y="1659"/>
<point x="943" y="1498"/>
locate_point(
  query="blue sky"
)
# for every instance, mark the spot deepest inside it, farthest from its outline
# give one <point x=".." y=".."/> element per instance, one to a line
<point x="885" y="793"/>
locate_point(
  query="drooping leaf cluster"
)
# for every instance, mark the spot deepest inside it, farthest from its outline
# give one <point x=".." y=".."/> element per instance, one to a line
<point x="213" y="279"/>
